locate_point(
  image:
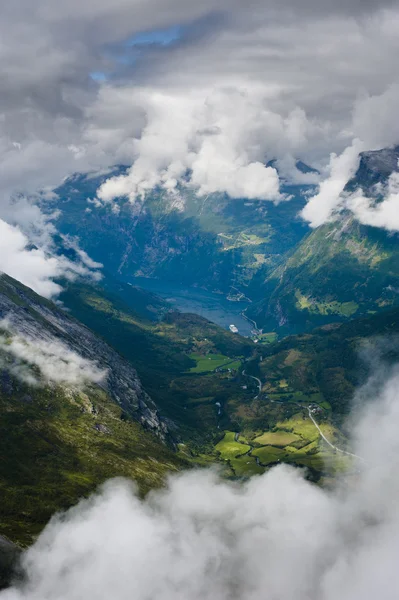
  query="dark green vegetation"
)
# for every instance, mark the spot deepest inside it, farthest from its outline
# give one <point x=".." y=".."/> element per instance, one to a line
<point x="338" y="271"/>
<point x="326" y="365"/>
<point x="212" y="242"/>
<point x="58" y="442"/>
<point x="175" y="356"/>
<point x="9" y="555"/>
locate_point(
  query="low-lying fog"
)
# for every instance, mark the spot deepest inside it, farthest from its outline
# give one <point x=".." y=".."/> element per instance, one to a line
<point x="275" y="537"/>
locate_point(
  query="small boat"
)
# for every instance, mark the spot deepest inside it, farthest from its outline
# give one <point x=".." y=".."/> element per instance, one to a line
<point x="233" y="328"/>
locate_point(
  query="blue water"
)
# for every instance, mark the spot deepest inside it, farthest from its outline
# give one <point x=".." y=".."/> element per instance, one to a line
<point x="214" y="307"/>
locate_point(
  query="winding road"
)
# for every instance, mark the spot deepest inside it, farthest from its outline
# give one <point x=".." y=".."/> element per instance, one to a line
<point x="327" y="441"/>
<point x="335" y="448"/>
<point x="258" y="381"/>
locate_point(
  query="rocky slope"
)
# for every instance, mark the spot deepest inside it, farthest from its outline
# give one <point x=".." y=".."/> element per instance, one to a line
<point x="38" y="320"/>
<point x="73" y="413"/>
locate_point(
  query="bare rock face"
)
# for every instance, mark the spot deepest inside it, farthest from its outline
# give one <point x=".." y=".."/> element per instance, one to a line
<point x="38" y="319"/>
<point x="375" y="167"/>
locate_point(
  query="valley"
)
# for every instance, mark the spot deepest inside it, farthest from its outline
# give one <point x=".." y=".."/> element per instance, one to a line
<point x="200" y="251"/>
<point x="199" y="300"/>
<point x="214" y="307"/>
<point x="218" y="382"/>
<point x="244" y="401"/>
<point x="184" y="389"/>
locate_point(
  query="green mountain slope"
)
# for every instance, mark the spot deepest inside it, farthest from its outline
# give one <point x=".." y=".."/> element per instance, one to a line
<point x="327" y="365"/>
<point x="171" y="356"/>
<point x="320" y="369"/>
<point x="212" y="242"/>
<point x="63" y="429"/>
<point x="338" y="271"/>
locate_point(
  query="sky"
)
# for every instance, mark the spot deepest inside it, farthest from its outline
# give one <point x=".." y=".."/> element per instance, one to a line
<point x="203" y="92"/>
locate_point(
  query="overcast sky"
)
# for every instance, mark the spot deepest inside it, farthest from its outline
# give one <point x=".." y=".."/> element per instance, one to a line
<point x="214" y="88"/>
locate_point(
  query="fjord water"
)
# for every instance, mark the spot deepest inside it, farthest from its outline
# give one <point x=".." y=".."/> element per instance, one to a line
<point x="211" y="306"/>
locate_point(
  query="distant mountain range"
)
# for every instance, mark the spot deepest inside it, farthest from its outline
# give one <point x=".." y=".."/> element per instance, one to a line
<point x="297" y="278"/>
<point x="212" y="242"/>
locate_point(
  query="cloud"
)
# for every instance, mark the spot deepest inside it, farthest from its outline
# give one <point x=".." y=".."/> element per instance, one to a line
<point x="375" y="118"/>
<point x="236" y="86"/>
<point x="217" y="140"/>
<point x="32" y="267"/>
<point x="383" y="213"/>
<point x="380" y="210"/>
<point x="37" y="268"/>
<point x="203" y="538"/>
<point x="54" y="360"/>
<point x="322" y="206"/>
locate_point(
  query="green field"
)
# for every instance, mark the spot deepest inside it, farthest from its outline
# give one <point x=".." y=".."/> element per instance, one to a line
<point x="210" y="362"/>
<point x="277" y="438"/>
<point x="229" y="448"/>
<point x="268" y="338"/>
<point x="300" y="426"/>
<point x="245" y="466"/>
<point x="346" y="309"/>
<point x="269" y="454"/>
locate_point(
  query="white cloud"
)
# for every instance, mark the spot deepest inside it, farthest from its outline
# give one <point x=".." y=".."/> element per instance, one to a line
<point x="35" y="267"/>
<point x="321" y="207"/>
<point x="55" y="361"/>
<point x="276" y="536"/>
<point x="384" y="213"/>
<point x="375" y="118"/>
<point x="221" y="140"/>
<point x="32" y="267"/>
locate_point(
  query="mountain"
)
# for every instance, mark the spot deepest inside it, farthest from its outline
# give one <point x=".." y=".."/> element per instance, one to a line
<point x="73" y="413"/>
<point x="327" y="365"/>
<point x="111" y="381"/>
<point x="338" y="271"/>
<point x="297" y="278"/>
<point x="212" y="242"/>
<point x="175" y="355"/>
<point x="223" y="416"/>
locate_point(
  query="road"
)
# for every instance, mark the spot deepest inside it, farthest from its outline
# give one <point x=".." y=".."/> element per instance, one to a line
<point x="327" y="441"/>
<point x="250" y="320"/>
<point x="258" y="381"/>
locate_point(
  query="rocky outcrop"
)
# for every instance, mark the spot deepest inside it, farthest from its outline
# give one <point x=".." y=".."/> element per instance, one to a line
<point x="375" y="167"/>
<point x="38" y="319"/>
